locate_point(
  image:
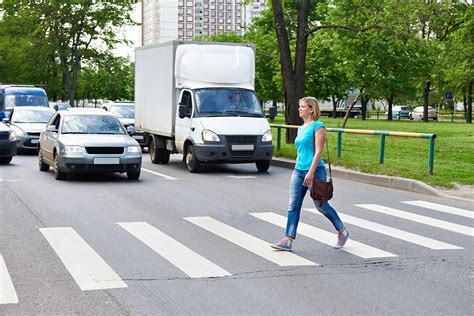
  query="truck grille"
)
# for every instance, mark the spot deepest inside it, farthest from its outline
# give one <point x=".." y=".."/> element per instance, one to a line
<point x="104" y="150"/>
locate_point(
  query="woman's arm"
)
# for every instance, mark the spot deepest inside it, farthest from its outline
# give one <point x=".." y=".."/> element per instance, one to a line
<point x="319" y="140"/>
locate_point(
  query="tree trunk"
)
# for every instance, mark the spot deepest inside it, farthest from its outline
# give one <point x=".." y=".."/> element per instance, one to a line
<point x="363" y="102"/>
<point x="334" y="106"/>
<point x="390" y="103"/>
<point x="426" y="100"/>
<point x="469" y="103"/>
<point x="348" y="111"/>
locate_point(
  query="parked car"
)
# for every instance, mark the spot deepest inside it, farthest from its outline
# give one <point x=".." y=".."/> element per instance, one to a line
<point x="399" y="111"/>
<point x="125" y="112"/>
<point x="20" y="95"/>
<point x="82" y="141"/>
<point x="59" y="106"/>
<point x="27" y="122"/>
<point x="7" y="144"/>
<point x="417" y="113"/>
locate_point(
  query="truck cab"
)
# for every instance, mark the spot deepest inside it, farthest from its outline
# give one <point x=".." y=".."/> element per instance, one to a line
<point x="20" y="95"/>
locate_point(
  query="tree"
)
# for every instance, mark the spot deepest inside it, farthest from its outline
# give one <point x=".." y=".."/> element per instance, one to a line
<point x="71" y="32"/>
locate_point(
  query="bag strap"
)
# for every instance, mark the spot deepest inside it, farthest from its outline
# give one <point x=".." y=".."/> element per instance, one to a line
<point x="327" y="148"/>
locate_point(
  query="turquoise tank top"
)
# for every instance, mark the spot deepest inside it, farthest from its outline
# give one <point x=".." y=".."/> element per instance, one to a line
<point x="305" y="146"/>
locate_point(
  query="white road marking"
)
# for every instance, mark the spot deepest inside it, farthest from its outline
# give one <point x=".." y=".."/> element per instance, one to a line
<point x="392" y="232"/>
<point x="188" y="261"/>
<point x="159" y="174"/>
<point x="249" y="242"/>
<point x="243" y="177"/>
<point x="442" y="208"/>
<point x="352" y="246"/>
<point x="11" y="180"/>
<point x="87" y="268"/>
<point x="460" y="229"/>
<point x="7" y="290"/>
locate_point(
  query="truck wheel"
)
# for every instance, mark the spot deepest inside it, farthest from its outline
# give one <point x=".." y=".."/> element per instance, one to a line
<point x="41" y="164"/>
<point x="163" y="156"/>
<point x="154" y="155"/>
<point x="58" y="174"/>
<point x="132" y="175"/>
<point x="262" y="165"/>
<point x="191" y="160"/>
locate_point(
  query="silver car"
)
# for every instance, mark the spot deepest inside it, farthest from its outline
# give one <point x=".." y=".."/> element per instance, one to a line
<point x="27" y="122"/>
<point x="82" y="141"/>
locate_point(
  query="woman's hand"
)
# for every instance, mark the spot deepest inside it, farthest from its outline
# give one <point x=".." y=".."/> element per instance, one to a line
<point x="308" y="179"/>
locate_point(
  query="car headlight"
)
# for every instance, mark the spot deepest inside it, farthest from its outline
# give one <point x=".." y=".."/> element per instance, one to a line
<point x="267" y="137"/>
<point x="73" y="150"/>
<point x="12" y="135"/>
<point x="134" y="149"/>
<point x="209" y="136"/>
<point x="18" y="131"/>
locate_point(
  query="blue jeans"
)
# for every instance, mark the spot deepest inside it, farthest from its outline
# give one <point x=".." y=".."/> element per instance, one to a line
<point x="297" y="194"/>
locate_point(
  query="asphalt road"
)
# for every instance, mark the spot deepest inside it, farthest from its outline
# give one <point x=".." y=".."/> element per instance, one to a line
<point x="181" y="243"/>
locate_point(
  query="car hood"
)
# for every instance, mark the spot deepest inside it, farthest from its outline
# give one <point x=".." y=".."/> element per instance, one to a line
<point x="126" y="121"/>
<point x="31" y="127"/>
<point x="235" y="125"/>
<point x="97" y="140"/>
<point x="4" y="128"/>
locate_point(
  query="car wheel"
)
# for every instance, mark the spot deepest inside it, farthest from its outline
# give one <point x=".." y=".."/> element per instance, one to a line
<point x="192" y="162"/>
<point x="5" y="160"/>
<point x="41" y="164"/>
<point x="58" y="174"/>
<point x="262" y="165"/>
<point x="133" y="175"/>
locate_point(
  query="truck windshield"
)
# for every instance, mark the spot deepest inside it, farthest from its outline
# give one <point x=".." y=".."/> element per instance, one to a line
<point x="13" y="100"/>
<point x="227" y="102"/>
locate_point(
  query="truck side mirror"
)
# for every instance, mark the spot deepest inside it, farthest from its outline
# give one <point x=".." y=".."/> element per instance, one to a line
<point x="272" y="112"/>
<point x="182" y="111"/>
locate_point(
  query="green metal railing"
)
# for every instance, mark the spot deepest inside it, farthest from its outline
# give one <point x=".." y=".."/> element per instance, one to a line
<point x="382" y="134"/>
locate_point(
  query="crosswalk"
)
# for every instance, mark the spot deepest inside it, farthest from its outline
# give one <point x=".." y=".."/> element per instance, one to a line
<point x="91" y="272"/>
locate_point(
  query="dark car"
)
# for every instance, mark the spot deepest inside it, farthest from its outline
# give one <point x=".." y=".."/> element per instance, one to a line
<point x="7" y="144"/>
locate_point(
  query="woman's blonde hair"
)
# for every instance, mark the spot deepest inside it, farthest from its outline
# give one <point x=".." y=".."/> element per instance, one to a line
<point x="313" y="104"/>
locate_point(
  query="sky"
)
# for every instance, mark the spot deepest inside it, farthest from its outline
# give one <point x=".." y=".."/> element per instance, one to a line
<point x="131" y="33"/>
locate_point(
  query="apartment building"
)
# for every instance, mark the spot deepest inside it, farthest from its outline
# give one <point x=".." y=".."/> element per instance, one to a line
<point x="165" y="20"/>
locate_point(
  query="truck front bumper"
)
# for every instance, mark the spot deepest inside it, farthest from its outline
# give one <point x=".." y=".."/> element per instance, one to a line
<point x="233" y="152"/>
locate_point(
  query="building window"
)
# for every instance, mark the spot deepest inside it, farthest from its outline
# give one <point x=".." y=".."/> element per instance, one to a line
<point x="180" y="25"/>
<point x="189" y="33"/>
<point x="220" y="27"/>
<point x="221" y="21"/>
<point x="189" y="3"/>
<point x="228" y="27"/>
<point x="189" y="26"/>
<point x="180" y="18"/>
<point x="180" y="33"/>
<point x="189" y="18"/>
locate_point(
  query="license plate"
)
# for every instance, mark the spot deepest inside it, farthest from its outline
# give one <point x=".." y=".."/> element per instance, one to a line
<point x="138" y="137"/>
<point x="242" y="147"/>
<point x="106" y="161"/>
<point x="34" y="141"/>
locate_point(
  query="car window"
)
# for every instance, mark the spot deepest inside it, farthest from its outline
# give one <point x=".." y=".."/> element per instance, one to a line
<point x="92" y="124"/>
<point x="404" y="108"/>
<point x="31" y="116"/>
<point x="123" y="111"/>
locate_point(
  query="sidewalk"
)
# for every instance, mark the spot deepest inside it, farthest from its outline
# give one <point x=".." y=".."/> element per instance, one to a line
<point x="463" y="193"/>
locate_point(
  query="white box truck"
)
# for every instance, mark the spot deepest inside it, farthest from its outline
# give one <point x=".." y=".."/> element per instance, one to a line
<point x="198" y="99"/>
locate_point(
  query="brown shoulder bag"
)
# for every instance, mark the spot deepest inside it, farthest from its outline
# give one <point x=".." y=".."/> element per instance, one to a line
<point x="322" y="190"/>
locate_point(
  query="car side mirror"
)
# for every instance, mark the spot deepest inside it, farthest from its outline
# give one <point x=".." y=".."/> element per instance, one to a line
<point x="131" y="129"/>
<point x="52" y="128"/>
<point x="182" y="111"/>
<point x="6" y="120"/>
<point x="55" y="107"/>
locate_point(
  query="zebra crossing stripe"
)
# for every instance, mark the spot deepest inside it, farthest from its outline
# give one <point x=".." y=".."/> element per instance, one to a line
<point x="7" y="290"/>
<point x="188" y="261"/>
<point x="86" y="267"/>
<point x="249" y="242"/>
<point x="392" y="232"/>
<point x="352" y="246"/>
<point x="442" y="208"/>
<point x="460" y="229"/>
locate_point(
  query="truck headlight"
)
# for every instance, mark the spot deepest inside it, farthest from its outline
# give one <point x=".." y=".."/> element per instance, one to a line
<point x="73" y="150"/>
<point x="134" y="149"/>
<point x="209" y="136"/>
<point x="267" y="137"/>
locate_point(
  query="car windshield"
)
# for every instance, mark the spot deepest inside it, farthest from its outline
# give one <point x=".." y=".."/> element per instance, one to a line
<point x="92" y="124"/>
<point x="12" y="100"/>
<point x="32" y="116"/>
<point x="123" y="111"/>
<point x="227" y="102"/>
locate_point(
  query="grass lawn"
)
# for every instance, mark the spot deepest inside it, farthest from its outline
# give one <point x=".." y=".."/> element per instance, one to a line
<point x="404" y="157"/>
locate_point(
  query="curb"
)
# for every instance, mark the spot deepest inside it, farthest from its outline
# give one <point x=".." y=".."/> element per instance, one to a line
<point x="385" y="181"/>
